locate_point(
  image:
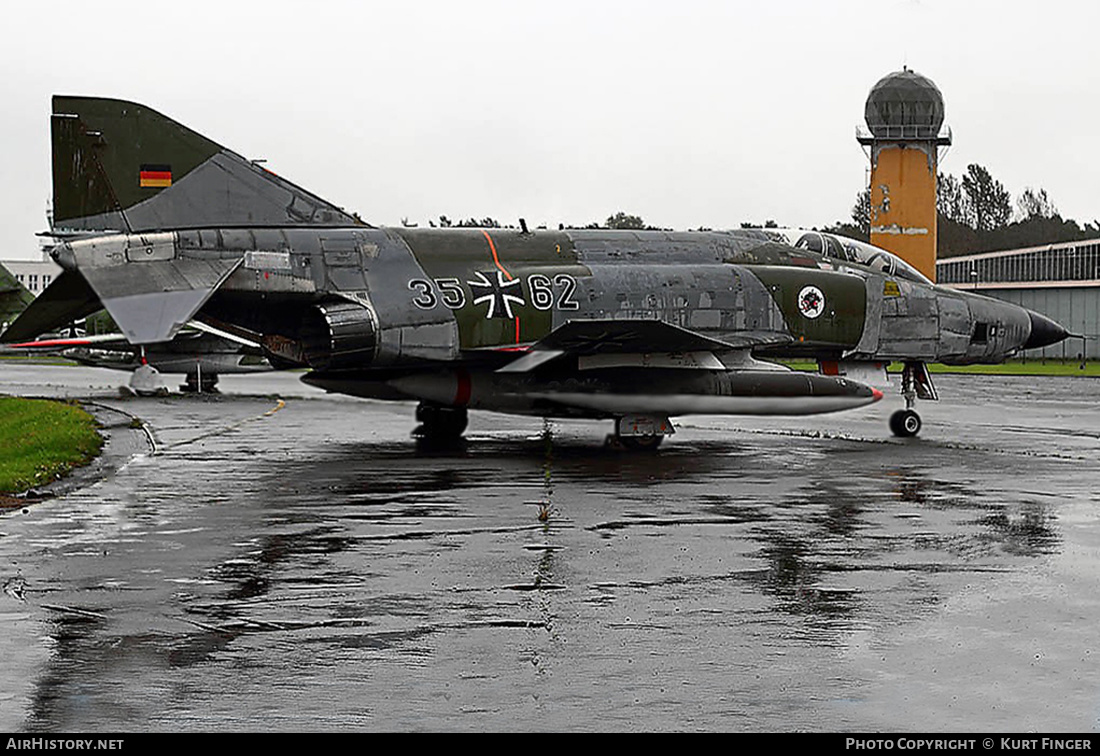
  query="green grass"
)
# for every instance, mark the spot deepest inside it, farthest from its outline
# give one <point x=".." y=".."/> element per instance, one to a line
<point x="1019" y="367"/>
<point x="1012" y="367"/>
<point x="41" y="440"/>
<point x="36" y="359"/>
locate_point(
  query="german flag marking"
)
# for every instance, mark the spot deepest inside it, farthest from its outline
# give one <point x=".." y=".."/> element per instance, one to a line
<point x="155" y="175"/>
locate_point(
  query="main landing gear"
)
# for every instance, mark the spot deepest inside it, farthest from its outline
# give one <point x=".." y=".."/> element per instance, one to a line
<point x="640" y="443"/>
<point x="641" y="432"/>
<point x="916" y="383"/>
<point x="200" y="383"/>
<point x="439" y="423"/>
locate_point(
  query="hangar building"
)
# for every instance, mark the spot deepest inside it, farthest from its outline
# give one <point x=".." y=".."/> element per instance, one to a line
<point x="1061" y="281"/>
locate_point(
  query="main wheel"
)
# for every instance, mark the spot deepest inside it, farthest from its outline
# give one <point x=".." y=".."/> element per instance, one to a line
<point x="641" y="443"/>
<point x="905" y="423"/>
<point x="439" y="423"/>
<point x="193" y="385"/>
<point x="636" y="423"/>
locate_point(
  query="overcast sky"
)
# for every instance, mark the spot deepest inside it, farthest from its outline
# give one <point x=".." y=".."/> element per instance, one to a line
<point x="687" y="112"/>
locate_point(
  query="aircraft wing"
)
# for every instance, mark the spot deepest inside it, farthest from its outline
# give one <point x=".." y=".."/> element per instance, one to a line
<point x="588" y="338"/>
<point x="67" y="299"/>
<point x="14" y="296"/>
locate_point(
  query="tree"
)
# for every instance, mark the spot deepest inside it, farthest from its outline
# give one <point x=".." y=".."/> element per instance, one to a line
<point x="951" y="200"/>
<point x="990" y="202"/>
<point x="1035" y="204"/>
<point x="623" y="221"/>
<point x="861" y="213"/>
<point x="975" y="215"/>
<point x="475" y="223"/>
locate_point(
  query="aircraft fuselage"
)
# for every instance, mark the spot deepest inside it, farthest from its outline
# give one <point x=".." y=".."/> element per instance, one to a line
<point x="438" y="314"/>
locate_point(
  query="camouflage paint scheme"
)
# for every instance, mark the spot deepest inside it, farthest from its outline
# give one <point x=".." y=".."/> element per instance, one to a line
<point x="591" y="323"/>
<point x="14" y="297"/>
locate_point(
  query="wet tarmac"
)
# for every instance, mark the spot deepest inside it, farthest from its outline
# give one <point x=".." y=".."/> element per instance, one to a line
<point x="274" y="558"/>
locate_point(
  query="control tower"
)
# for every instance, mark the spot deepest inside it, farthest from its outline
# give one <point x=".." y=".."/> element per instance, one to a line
<point x="903" y="137"/>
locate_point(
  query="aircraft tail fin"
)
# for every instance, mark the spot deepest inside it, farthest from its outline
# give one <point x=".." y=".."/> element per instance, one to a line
<point x="123" y="167"/>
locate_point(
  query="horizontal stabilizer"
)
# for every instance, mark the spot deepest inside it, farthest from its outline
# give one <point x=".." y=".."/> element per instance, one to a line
<point x="67" y="299"/>
<point x="152" y="301"/>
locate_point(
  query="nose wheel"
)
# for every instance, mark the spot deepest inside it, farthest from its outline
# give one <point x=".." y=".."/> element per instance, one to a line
<point x="916" y="383"/>
<point x="905" y="423"/>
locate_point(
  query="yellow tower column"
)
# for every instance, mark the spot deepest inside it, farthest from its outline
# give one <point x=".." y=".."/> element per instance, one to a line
<point x="904" y="116"/>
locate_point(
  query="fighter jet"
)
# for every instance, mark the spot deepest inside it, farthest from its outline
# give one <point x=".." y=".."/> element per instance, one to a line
<point x="14" y="297"/>
<point x="631" y="326"/>
<point x="199" y="352"/>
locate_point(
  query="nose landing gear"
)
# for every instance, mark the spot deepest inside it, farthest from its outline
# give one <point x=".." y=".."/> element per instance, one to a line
<point x="916" y="383"/>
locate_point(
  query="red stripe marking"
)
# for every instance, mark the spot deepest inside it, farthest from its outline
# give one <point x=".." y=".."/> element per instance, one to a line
<point x="462" y="394"/>
<point x="496" y="261"/>
<point x="157" y="175"/>
<point x="45" y="344"/>
<point x="493" y="249"/>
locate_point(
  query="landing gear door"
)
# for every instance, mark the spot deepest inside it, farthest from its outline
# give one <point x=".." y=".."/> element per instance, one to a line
<point x="871" y="374"/>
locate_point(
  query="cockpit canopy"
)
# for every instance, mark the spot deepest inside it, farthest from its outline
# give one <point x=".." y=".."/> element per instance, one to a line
<point x="843" y="249"/>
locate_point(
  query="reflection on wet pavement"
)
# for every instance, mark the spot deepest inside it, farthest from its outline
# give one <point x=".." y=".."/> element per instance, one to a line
<point x="312" y="568"/>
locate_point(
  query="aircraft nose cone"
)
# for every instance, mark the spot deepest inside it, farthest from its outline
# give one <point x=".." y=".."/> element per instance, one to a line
<point x="1044" y="332"/>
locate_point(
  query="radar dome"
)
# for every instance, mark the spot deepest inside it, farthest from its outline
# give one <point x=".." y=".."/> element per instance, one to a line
<point x="904" y="104"/>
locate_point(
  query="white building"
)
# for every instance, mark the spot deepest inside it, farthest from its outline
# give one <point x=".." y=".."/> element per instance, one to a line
<point x="1061" y="281"/>
<point x="36" y="275"/>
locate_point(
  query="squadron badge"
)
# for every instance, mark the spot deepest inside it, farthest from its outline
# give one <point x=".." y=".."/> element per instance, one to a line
<point x="811" y="302"/>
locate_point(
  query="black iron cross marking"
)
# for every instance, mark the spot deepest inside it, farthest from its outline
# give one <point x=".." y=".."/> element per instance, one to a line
<point x="592" y="343"/>
<point x="500" y="294"/>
